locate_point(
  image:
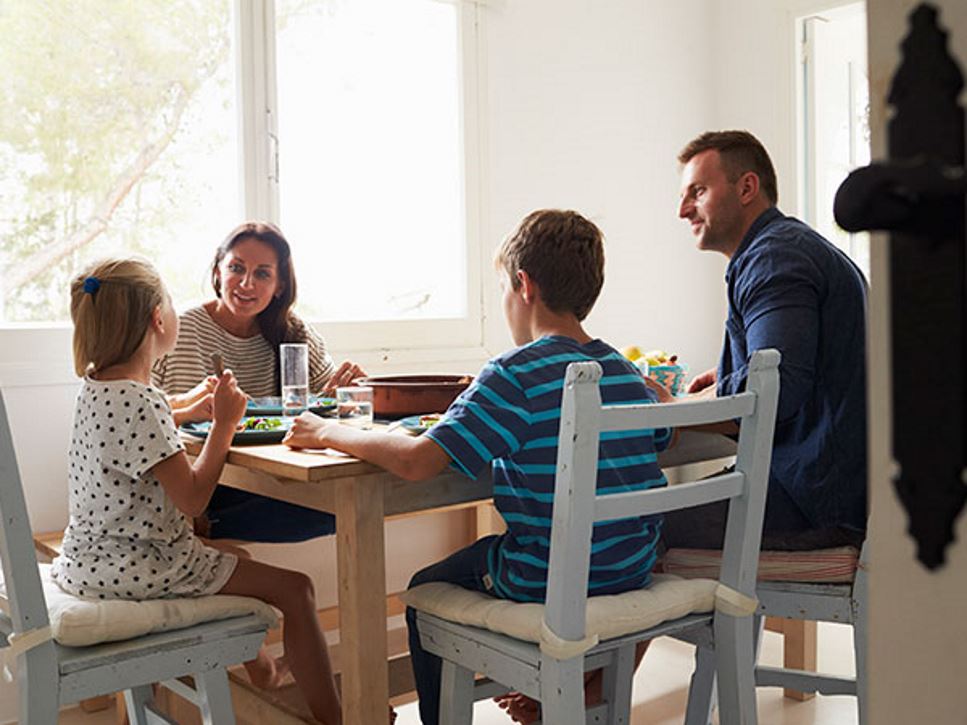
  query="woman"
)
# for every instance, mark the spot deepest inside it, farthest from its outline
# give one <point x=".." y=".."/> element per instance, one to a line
<point x="251" y="315"/>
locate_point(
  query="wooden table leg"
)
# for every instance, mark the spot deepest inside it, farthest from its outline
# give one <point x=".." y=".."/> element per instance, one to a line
<point x="798" y="648"/>
<point x="361" y="557"/>
<point x="486" y="520"/>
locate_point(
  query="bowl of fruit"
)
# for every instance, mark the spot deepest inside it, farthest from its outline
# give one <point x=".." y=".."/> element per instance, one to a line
<point x="661" y="367"/>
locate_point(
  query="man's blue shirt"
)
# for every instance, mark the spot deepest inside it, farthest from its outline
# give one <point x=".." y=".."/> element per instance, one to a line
<point x="510" y="416"/>
<point x="792" y="290"/>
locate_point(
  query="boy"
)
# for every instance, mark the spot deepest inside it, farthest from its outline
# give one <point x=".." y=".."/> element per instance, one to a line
<point x="551" y="269"/>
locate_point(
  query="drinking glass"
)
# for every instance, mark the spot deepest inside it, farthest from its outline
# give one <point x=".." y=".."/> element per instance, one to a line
<point x="294" y="367"/>
<point x="354" y="406"/>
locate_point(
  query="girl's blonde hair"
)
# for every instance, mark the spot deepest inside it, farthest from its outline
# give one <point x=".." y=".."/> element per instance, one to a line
<point x="111" y="305"/>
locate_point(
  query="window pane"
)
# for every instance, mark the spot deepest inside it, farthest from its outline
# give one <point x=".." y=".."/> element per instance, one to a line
<point x="371" y="173"/>
<point x="118" y="137"/>
<point x="840" y="114"/>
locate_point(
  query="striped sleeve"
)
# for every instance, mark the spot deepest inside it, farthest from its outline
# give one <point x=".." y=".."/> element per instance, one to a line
<point x="489" y="420"/>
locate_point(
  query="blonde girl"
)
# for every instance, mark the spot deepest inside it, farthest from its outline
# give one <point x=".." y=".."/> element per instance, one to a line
<point x="133" y="489"/>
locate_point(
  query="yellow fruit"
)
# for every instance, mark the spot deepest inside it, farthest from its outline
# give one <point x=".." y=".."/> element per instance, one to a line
<point x="632" y="352"/>
<point x="658" y="356"/>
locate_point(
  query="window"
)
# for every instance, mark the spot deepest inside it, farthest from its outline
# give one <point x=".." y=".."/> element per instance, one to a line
<point x="119" y="137"/>
<point x="155" y="127"/>
<point x="834" y="118"/>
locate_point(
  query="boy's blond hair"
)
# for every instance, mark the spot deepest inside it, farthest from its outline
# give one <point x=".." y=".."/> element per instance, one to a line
<point x="112" y="302"/>
<point x="563" y="253"/>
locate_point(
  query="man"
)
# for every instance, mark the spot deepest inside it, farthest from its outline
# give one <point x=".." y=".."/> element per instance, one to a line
<point x="789" y="289"/>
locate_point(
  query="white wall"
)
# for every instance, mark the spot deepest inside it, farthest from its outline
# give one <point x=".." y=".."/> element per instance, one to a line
<point x="585" y="105"/>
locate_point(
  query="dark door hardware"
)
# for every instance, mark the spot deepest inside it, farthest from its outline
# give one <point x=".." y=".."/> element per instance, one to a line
<point x="918" y="195"/>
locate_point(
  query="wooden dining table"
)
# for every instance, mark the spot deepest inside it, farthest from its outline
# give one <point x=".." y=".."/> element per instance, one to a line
<point x="361" y="496"/>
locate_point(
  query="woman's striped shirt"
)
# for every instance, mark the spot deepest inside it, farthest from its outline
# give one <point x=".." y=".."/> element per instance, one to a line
<point x="510" y="416"/>
<point x="252" y="359"/>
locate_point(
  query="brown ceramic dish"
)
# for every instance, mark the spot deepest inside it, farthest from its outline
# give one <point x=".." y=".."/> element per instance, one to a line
<point x="400" y="395"/>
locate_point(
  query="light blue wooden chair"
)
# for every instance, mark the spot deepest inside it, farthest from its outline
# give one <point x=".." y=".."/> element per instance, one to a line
<point x="841" y="603"/>
<point x="50" y="676"/>
<point x="549" y="666"/>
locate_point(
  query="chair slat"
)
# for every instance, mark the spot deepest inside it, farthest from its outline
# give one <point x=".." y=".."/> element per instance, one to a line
<point x="676" y="415"/>
<point x="659" y="500"/>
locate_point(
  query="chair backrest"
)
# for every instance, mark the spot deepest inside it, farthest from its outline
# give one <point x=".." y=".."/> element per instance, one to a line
<point x="25" y="595"/>
<point x="577" y="506"/>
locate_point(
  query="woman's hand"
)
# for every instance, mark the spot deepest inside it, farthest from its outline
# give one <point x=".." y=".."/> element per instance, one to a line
<point x="189" y="398"/>
<point x="307" y="431"/>
<point x="344" y="375"/>
<point x="703" y="381"/>
<point x="228" y="402"/>
<point x="201" y="410"/>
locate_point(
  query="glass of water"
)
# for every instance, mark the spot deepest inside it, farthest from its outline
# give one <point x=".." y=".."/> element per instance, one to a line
<point x="354" y="406"/>
<point x="294" y="368"/>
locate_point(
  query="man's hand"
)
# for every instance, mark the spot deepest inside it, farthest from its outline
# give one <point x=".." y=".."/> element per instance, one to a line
<point x="308" y="431"/>
<point x="703" y="382"/>
<point x="344" y="375"/>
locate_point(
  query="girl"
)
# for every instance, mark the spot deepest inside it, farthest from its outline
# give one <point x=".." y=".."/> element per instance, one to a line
<point x="133" y="489"/>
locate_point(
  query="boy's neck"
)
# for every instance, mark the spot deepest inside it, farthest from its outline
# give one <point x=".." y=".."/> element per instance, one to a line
<point x="546" y="322"/>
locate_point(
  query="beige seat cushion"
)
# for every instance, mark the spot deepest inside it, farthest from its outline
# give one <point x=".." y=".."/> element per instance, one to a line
<point x="668" y="598"/>
<point x="79" y="622"/>
<point x="824" y="566"/>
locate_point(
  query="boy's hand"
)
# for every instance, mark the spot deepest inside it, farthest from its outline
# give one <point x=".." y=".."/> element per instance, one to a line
<point x="228" y="402"/>
<point x="663" y="393"/>
<point x="307" y="431"/>
<point x="201" y="410"/>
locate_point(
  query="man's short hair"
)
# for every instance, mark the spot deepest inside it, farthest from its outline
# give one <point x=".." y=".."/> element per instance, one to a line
<point x="563" y="253"/>
<point x="740" y="152"/>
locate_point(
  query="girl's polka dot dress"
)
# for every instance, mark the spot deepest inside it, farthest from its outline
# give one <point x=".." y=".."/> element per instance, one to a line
<point x="126" y="539"/>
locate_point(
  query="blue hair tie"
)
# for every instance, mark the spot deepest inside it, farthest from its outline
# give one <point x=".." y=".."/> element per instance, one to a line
<point x="92" y="285"/>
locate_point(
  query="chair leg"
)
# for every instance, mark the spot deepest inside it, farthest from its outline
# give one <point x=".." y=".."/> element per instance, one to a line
<point x="215" y="697"/>
<point x="735" y="669"/>
<point x="138" y="699"/>
<point x="860" y="644"/>
<point x="616" y="685"/>
<point x="562" y="691"/>
<point x="36" y="670"/>
<point x="701" y="691"/>
<point x="456" y="694"/>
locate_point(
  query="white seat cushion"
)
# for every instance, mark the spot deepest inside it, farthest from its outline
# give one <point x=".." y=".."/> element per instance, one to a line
<point x="608" y="616"/>
<point x="80" y="622"/>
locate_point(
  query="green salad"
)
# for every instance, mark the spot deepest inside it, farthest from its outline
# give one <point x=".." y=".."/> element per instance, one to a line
<point x="259" y="424"/>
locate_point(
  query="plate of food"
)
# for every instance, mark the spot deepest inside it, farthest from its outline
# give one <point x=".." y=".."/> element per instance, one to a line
<point x="251" y="430"/>
<point x="272" y="405"/>
<point x="417" y="424"/>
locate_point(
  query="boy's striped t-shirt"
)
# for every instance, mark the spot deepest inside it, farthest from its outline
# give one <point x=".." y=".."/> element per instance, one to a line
<point x="510" y="417"/>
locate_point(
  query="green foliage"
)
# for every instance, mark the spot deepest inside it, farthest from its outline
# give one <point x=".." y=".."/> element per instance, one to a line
<point x="91" y="88"/>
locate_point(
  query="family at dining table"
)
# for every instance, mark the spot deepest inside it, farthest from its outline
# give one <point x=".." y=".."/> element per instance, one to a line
<point x="148" y="522"/>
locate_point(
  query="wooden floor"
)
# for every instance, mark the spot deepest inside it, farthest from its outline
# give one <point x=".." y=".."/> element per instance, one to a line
<point x="660" y="689"/>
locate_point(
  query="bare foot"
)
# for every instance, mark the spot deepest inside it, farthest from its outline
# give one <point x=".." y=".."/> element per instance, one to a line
<point x="267" y="673"/>
<point x="524" y="710"/>
<point x="520" y="708"/>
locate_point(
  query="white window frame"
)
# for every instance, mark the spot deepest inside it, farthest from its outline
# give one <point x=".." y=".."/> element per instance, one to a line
<point x="258" y="104"/>
<point x="38" y="354"/>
